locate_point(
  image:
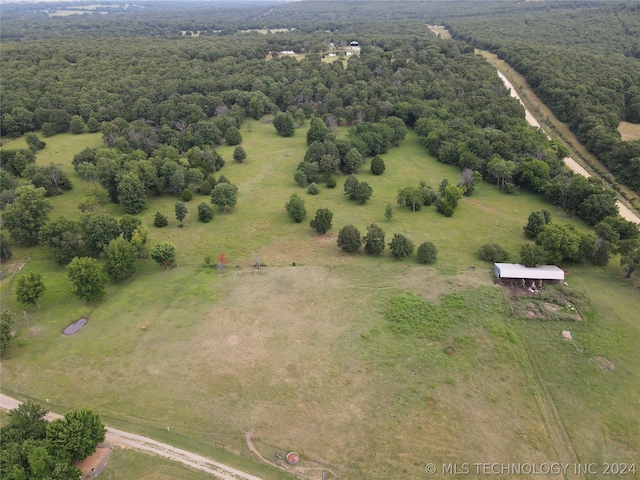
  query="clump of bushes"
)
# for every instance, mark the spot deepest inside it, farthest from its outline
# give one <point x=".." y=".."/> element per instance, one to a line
<point x="492" y="252"/>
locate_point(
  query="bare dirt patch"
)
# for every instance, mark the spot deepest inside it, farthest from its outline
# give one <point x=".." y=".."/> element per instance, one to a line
<point x="93" y="465"/>
<point x="603" y="363"/>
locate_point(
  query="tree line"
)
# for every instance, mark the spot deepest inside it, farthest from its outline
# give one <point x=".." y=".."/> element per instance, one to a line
<point x="33" y="448"/>
<point x="583" y="63"/>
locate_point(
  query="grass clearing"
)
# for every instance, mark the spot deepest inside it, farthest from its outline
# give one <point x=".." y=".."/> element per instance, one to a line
<point x="305" y="356"/>
<point x="629" y="131"/>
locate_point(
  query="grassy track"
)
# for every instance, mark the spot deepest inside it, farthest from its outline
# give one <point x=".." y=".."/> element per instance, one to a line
<point x="305" y="356"/>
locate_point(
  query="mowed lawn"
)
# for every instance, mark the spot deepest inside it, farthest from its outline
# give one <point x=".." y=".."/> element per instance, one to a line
<point x="304" y="357"/>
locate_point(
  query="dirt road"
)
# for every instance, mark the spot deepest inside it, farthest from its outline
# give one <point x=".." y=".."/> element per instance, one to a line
<point x="118" y="438"/>
<point x="625" y="212"/>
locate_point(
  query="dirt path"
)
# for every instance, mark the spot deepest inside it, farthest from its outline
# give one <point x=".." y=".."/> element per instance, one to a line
<point x="121" y="439"/>
<point x="625" y="212"/>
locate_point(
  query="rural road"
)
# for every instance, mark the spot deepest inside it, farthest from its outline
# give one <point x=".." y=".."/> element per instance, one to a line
<point x="625" y="212"/>
<point x="118" y="438"/>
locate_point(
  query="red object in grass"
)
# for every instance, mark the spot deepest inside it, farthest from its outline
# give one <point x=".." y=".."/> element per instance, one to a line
<point x="293" y="458"/>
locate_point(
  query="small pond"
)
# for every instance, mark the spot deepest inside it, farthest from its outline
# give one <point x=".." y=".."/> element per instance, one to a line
<point x="75" y="326"/>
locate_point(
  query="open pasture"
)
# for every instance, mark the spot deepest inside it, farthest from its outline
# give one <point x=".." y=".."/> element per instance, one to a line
<point x="629" y="131"/>
<point x="331" y="357"/>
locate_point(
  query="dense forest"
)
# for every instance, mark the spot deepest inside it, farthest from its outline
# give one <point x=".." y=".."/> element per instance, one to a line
<point x="164" y="103"/>
<point x="583" y="63"/>
<point x="580" y="57"/>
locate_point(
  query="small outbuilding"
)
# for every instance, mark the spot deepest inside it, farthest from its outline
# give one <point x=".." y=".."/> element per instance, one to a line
<point x="514" y="272"/>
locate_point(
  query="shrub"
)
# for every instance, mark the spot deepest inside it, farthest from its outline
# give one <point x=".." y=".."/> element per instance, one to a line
<point x="295" y="208"/>
<point x="401" y="246"/>
<point x="331" y="182"/>
<point x="232" y="136"/>
<point x="444" y="207"/>
<point x="205" y="213"/>
<point x="160" y="220"/>
<point x="374" y="239"/>
<point x="427" y="253"/>
<point x="186" y="195"/>
<point x="322" y="222"/>
<point x="313" y="189"/>
<point x="377" y="165"/>
<point x="301" y="178"/>
<point x="492" y="252"/>
<point x="239" y="154"/>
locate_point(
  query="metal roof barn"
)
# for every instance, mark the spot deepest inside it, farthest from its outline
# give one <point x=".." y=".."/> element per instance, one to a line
<point x="517" y="271"/>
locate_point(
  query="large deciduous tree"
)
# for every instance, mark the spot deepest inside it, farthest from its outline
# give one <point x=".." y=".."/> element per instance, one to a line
<point x="77" y="435"/>
<point x="121" y="259"/>
<point x="86" y="276"/>
<point x="29" y="288"/>
<point x="28" y="213"/>
<point x="224" y="195"/>
<point x="164" y="253"/>
<point x="128" y="225"/>
<point x="99" y="230"/>
<point x="362" y="192"/>
<point x="630" y="255"/>
<point x="352" y="161"/>
<point x="398" y="128"/>
<point x="63" y="237"/>
<point x="536" y="222"/>
<point x="561" y="242"/>
<point x="132" y="193"/>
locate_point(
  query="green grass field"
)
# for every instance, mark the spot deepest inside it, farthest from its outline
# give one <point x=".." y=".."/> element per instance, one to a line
<point x="326" y="357"/>
<point x="131" y="464"/>
<point x="629" y="131"/>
